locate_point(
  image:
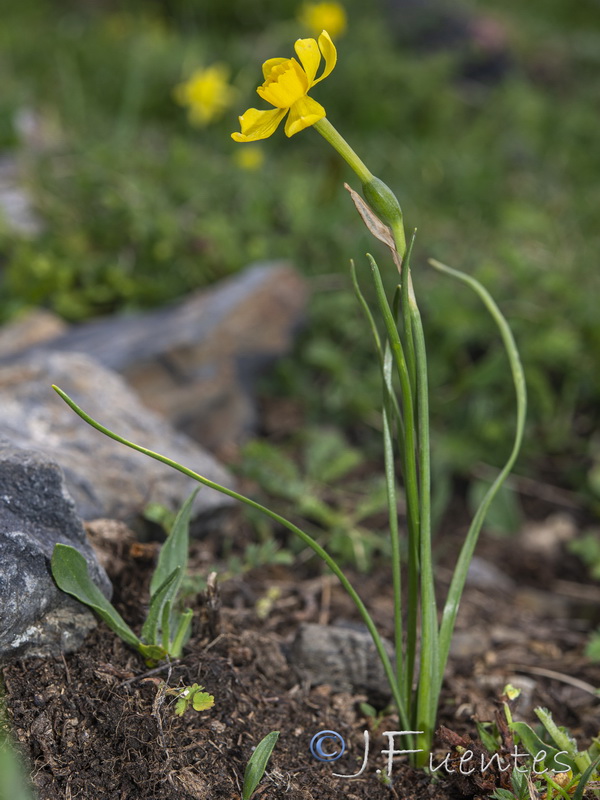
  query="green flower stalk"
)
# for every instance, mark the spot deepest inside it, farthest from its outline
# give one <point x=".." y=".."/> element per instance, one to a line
<point x="406" y="418"/>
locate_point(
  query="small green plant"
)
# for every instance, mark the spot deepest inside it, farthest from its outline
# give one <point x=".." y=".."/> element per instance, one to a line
<point x="555" y="769"/>
<point x="257" y="764"/>
<point x="255" y="554"/>
<point x="166" y="628"/>
<point x="560" y="750"/>
<point x="330" y="502"/>
<point x="192" y="696"/>
<point x="399" y="344"/>
<point x="375" y="716"/>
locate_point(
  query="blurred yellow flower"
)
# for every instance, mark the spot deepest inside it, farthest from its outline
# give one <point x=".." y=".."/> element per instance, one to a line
<point x="250" y="157"/>
<point x="286" y="87"/>
<point x="206" y="94"/>
<point x="324" y="16"/>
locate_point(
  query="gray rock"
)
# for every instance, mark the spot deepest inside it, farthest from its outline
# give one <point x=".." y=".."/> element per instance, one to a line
<point x="345" y="658"/>
<point x="36" y="512"/>
<point x="197" y="362"/>
<point x="105" y="478"/>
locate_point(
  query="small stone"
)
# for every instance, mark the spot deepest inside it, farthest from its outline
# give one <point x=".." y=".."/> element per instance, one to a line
<point x="344" y="658"/>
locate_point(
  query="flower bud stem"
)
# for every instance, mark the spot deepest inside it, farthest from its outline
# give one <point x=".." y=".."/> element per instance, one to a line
<point x="368" y="180"/>
<point x="329" y="133"/>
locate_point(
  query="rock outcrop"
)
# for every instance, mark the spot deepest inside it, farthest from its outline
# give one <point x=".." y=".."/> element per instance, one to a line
<point x="36" y="511"/>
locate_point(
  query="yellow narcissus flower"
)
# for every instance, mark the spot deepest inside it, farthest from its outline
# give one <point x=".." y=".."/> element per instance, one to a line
<point x="328" y="16"/>
<point x="206" y="94"/>
<point x="286" y="87"/>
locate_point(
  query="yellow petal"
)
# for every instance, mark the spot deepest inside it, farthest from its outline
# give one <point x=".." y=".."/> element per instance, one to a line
<point x="307" y="51"/>
<point x="304" y="113"/>
<point x="287" y="82"/>
<point x="327" y="48"/>
<point x="268" y="66"/>
<point x="257" y="124"/>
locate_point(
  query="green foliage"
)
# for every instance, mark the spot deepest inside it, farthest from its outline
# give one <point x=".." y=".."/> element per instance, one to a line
<point x="557" y="768"/>
<point x="257" y="764"/>
<point x="320" y="477"/>
<point x="254" y="555"/>
<point x="166" y="628"/>
<point x="140" y="208"/>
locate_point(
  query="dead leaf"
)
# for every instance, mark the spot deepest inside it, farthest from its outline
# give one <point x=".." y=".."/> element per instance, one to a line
<point x="375" y="225"/>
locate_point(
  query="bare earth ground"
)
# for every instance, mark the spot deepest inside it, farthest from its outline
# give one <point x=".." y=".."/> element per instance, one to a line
<point x="94" y="725"/>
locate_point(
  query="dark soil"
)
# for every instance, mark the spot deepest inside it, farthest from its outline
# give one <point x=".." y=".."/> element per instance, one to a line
<point x="95" y="724"/>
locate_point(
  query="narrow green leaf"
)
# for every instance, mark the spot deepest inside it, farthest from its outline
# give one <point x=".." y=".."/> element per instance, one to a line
<point x="409" y="465"/>
<point x="69" y="569"/>
<point x="468" y="548"/>
<point x="504" y="516"/>
<point x="578" y="794"/>
<point x="430" y="668"/>
<point x="552" y="784"/>
<point x="174" y="552"/>
<point x="257" y="764"/>
<point x="181" y="633"/>
<point x="407" y="299"/>
<point x="159" y="599"/>
<point x="403" y="674"/>
<point x="487" y="738"/>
